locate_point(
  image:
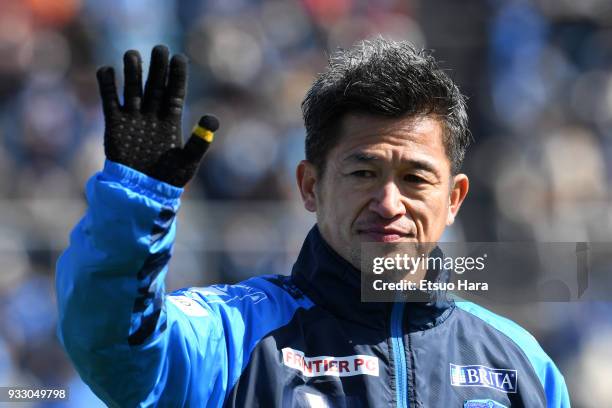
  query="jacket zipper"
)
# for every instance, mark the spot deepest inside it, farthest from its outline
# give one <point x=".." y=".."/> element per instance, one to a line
<point x="399" y="356"/>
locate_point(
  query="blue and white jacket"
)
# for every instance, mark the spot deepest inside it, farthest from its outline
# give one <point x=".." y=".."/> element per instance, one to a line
<point x="303" y="340"/>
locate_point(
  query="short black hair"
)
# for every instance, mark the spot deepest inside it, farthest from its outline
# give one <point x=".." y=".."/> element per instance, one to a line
<point x="388" y="78"/>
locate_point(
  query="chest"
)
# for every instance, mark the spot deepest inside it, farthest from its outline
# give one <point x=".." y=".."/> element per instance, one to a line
<point x="319" y="360"/>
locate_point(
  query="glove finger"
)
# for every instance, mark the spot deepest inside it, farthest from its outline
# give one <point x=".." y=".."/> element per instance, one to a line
<point x="156" y="81"/>
<point x="108" y="90"/>
<point x="175" y="91"/>
<point x="132" y="73"/>
<point x="201" y="138"/>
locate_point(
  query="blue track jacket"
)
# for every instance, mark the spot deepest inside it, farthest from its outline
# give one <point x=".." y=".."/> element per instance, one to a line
<point x="303" y="340"/>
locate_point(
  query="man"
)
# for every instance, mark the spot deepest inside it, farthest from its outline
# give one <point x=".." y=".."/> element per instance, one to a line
<point x="386" y="135"/>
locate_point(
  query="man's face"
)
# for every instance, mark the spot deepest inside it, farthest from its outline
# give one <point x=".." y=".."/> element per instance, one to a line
<point x="386" y="180"/>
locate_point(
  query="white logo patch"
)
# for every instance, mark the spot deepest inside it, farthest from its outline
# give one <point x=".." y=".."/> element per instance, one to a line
<point x="188" y="306"/>
<point x="502" y="379"/>
<point x="326" y="365"/>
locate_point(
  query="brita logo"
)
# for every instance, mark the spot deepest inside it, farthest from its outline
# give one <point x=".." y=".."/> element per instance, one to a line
<point x="501" y="379"/>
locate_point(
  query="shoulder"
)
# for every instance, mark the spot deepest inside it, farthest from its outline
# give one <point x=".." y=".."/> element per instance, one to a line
<point x="267" y="294"/>
<point x="514" y="332"/>
<point x="247" y="311"/>
<point x="547" y="372"/>
<point x="255" y="290"/>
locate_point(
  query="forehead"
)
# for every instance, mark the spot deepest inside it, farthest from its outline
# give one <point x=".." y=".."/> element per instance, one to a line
<point x="392" y="138"/>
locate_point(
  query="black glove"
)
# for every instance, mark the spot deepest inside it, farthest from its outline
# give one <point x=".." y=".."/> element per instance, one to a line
<point x="145" y="133"/>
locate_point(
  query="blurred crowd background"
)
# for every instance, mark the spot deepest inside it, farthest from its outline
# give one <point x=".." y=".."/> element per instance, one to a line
<point x="538" y="75"/>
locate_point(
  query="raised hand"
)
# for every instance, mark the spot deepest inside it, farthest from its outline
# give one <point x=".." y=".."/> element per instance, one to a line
<point x="145" y="133"/>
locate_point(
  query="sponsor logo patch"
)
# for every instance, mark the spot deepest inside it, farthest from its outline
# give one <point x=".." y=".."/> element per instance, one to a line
<point x="501" y="379"/>
<point x="188" y="306"/>
<point x="326" y="365"/>
<point x="483" y="403"/>
<point x="224" y="293"/>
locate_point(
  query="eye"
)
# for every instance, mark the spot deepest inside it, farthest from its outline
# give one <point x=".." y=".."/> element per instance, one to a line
<point x="363" y="174"/>
<point x="413" y="178"/>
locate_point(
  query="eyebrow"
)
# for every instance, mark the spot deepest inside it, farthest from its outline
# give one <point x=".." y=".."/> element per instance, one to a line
<point x="362" y="157"/>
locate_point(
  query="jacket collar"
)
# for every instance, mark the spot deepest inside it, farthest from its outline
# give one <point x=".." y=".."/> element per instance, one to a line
<point x="335" y="285"/>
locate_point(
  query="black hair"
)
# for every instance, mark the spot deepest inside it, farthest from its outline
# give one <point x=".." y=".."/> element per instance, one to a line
<point x="388" y="78"/>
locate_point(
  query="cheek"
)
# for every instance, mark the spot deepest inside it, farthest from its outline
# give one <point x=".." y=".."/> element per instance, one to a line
<point x="343" y="199"/>
<point x="348" y="207"/>
<point x="343" y="212"/>
<point x="331" y="207"/>
<point x="430" y="210"/>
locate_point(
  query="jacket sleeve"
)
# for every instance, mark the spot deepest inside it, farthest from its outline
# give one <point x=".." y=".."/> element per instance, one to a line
<point x="132" y="344"/>
<point x="555" y="388"/>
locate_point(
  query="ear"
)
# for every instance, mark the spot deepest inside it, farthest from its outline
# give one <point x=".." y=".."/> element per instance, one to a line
<point x="306" y="175"/>
<point x="459" y="189"/>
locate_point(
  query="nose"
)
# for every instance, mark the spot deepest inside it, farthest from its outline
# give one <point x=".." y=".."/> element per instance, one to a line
<point x="387" y="201"/>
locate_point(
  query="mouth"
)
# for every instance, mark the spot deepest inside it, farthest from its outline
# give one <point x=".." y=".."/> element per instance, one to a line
<point x="385" y="235"/>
